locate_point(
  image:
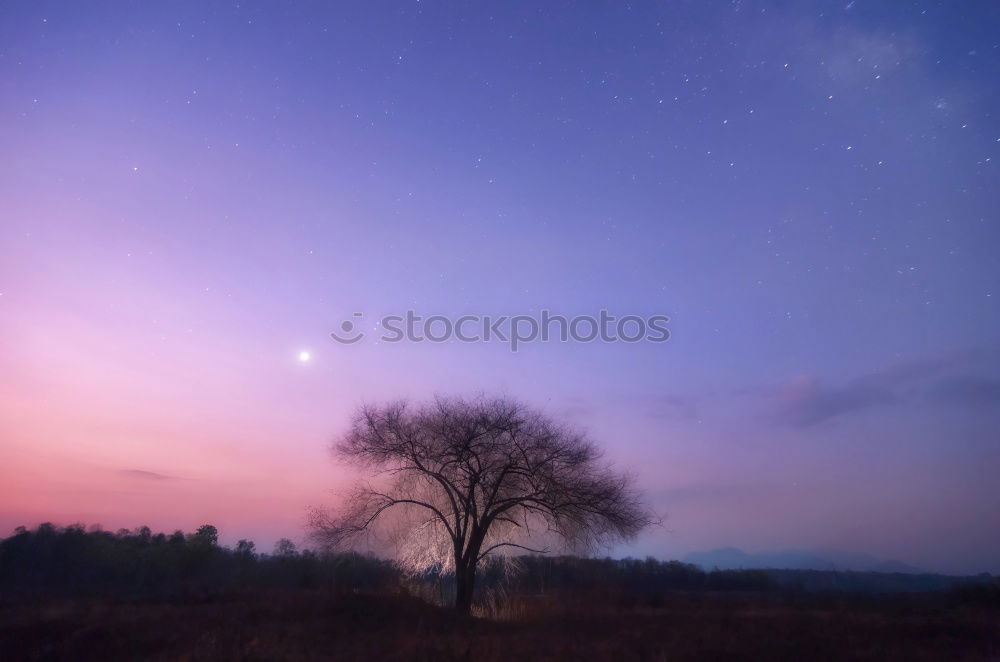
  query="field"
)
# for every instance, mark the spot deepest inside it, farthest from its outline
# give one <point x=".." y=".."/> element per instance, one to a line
<point x="76" y="594"/>
<point x="310" y="624"/>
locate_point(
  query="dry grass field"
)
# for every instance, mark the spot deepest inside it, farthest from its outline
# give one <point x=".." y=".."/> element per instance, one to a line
<point x="314" y="625"/>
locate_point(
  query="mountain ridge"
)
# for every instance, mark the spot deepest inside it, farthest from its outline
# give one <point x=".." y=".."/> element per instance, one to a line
<point x="734" y="558"/>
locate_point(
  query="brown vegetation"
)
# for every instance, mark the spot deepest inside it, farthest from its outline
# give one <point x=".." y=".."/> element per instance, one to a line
<point x="69" y="593"/>
<point x="305" y="625"/>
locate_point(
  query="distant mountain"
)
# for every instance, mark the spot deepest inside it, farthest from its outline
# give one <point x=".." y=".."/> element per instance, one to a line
<point x="731" y="558"/>
<point x="896" y="566"/>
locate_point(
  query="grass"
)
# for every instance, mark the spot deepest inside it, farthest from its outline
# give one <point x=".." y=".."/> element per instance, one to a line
<point x="310" y="624"/>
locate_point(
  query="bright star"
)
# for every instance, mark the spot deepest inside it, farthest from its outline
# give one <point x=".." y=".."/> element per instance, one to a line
<point x="304" y="357"/>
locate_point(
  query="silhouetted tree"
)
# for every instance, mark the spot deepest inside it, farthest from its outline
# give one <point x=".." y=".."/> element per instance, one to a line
<point x="206" y="535"/>
<point x="284" y="548"/>
<point x="472" y="478"/>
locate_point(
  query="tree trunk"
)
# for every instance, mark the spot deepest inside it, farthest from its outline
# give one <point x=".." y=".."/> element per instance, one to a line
<point x="465" y="586"/>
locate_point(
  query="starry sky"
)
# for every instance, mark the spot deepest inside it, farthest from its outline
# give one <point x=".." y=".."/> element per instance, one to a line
<point x="194" y="193"/>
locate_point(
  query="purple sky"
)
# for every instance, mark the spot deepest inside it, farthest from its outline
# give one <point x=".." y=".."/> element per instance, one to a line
<point x="193" y="193"/>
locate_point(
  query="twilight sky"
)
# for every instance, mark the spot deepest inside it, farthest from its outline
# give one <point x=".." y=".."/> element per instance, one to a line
<point x="193" y="193"/>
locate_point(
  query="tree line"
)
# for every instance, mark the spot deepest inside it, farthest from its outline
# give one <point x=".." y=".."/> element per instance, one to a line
<point x="138" y="564"/>
<point x="75" y="561"/>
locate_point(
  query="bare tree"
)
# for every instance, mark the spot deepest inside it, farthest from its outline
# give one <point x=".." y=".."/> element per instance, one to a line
<point x="469" y="479"/>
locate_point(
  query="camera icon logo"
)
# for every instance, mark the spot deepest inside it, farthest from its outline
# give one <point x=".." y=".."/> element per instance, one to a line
<point x="349" y="330"/>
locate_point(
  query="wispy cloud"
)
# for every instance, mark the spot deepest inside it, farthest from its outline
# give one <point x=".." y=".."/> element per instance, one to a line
<point x="967" y="390"/>
<point x="807" y="401"/>
<point x="144" y="475"/>
<point x="953" y="379"/>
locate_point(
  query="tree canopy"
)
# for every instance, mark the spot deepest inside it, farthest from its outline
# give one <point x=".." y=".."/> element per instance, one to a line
<point x="458" y="480"/>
